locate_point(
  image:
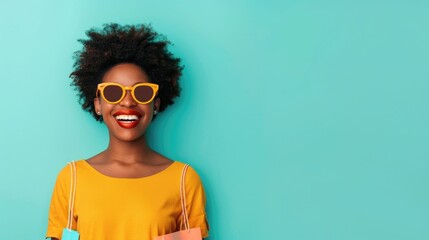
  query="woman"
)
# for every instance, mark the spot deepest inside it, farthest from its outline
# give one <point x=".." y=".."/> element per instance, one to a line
<point x="125" y="76"/>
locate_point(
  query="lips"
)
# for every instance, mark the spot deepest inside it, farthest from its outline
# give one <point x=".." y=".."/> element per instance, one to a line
<point x="127" y="118"/>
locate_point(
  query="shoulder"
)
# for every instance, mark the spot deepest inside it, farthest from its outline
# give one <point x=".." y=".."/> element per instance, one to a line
<point x="191" y="175"/>
<point x="189" y="170"/>
<point x="65" y="173"/>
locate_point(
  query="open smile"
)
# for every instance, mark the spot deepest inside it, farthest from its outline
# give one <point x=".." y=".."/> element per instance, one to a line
<point x="127" y="118"/>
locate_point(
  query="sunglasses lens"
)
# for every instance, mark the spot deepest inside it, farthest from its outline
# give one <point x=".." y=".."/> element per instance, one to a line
<point x="143" y="93"/>
<point x="112" y="93"/>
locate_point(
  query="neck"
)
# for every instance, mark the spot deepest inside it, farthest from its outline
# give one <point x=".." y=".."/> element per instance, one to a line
<point x="129" y="153"/>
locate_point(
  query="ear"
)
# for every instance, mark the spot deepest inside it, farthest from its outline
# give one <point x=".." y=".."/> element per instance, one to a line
<point x="156" y="104"/>
<point x="97" y="105"/>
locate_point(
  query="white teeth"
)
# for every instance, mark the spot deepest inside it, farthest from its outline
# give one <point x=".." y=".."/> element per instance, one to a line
<point x="127" y="117"/>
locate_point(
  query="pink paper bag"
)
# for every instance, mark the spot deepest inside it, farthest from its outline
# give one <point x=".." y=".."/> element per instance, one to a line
<point x="190" y="234"/>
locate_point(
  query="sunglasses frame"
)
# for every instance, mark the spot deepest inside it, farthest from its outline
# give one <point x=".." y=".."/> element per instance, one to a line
<point x="101" y="86"/>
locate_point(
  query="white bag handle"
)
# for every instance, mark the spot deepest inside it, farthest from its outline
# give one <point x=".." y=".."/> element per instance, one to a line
<point x="185" y="219"/>
<point x="72" y="194"/>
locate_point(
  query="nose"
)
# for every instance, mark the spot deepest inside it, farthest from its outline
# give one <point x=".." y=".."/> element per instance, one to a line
<point x="128" y="100"/>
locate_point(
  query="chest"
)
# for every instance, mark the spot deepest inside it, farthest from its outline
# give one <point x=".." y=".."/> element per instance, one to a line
<point x="127" y="201"/>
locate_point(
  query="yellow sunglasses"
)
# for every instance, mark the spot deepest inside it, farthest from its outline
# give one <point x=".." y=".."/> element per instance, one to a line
<point x="113" y="93"/>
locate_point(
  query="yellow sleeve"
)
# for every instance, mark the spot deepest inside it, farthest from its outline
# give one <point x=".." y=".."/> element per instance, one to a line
<point x="195" y="202"/>
<point x="59" y="205"/>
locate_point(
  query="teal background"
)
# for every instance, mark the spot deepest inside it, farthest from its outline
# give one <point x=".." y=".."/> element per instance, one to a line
<point x="305" y="119"/>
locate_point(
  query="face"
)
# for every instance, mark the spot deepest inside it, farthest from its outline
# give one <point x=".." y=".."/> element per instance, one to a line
<point x="126" y="120"/>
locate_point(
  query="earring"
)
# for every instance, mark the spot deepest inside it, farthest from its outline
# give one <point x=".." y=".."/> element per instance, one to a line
<point x="98" y="113"/>
<point x="155" y="112"/>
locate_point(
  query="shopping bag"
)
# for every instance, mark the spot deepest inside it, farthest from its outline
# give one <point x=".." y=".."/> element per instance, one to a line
<point x="68" y="233"/>
<point x="188" y="233"/>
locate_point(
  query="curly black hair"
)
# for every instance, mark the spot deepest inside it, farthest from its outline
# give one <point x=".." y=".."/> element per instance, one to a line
<point x="115" y="44"/>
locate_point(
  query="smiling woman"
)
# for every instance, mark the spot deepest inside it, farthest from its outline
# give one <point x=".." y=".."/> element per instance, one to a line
<point x="125" y="76"/>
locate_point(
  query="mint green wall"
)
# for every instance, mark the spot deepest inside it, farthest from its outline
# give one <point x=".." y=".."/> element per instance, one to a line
<point x="305" y="119"/>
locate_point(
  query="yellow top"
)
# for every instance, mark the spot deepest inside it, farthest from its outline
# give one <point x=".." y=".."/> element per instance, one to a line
<point x="109" y="208"/>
